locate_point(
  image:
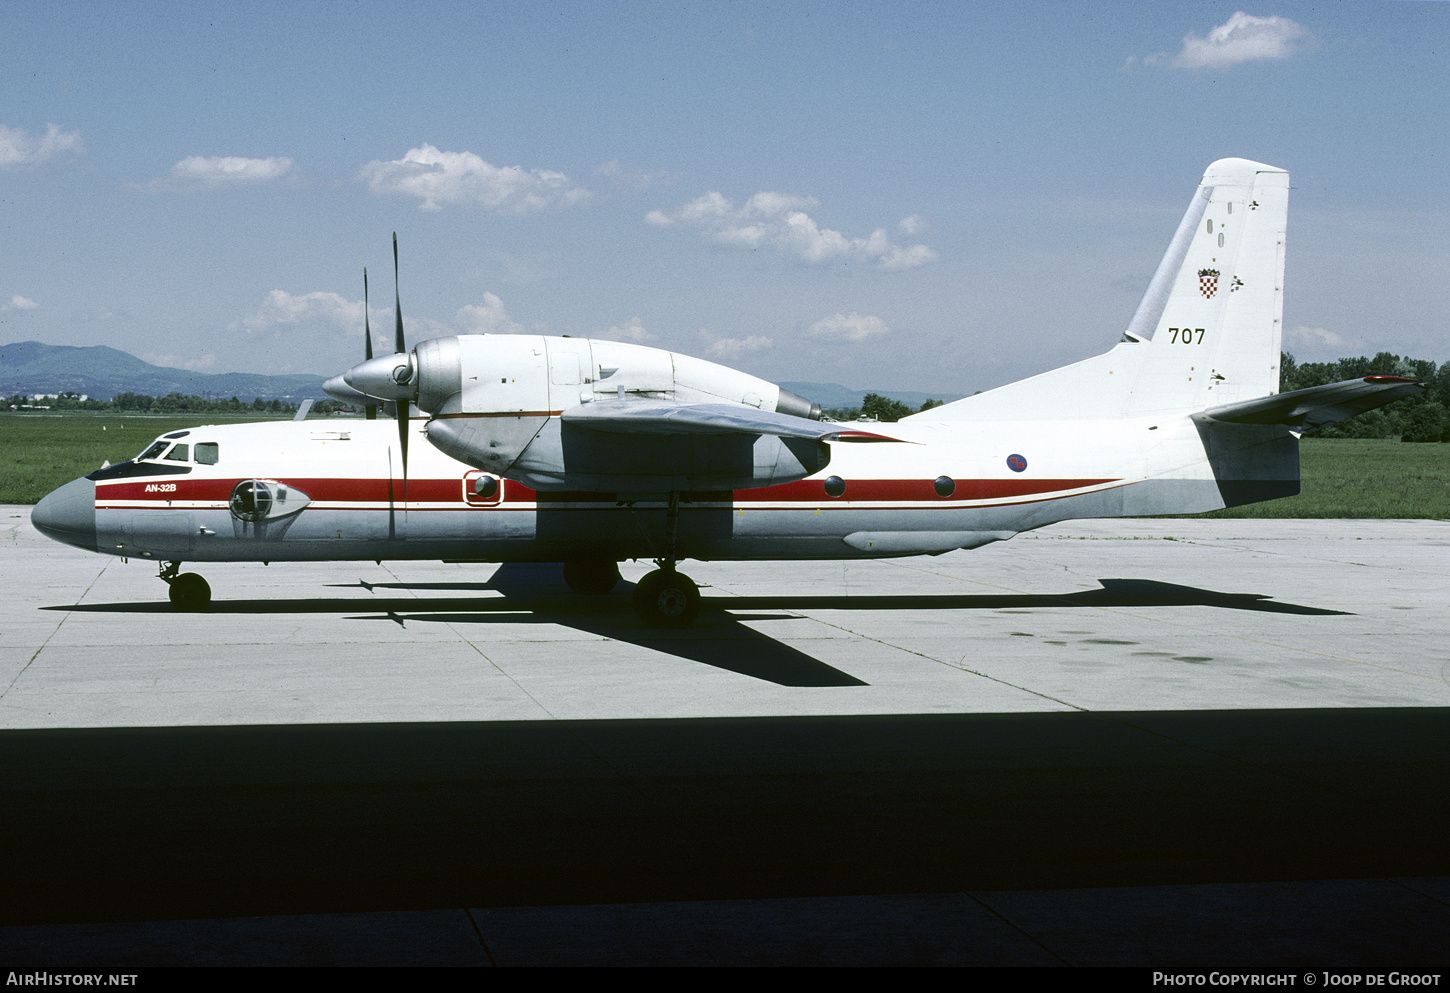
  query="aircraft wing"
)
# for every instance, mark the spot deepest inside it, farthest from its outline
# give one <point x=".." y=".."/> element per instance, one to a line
<point x="1306" y="410"/>
<point x="666" y="417"/>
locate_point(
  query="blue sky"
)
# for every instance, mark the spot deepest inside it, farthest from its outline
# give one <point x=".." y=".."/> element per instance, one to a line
<point x="942" y="197"/>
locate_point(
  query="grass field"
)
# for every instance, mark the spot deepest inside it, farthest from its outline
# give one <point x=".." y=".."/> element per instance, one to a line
<point x="1352" y="477"/>
<point x="41" y="451"/>
<point x="1341" y="477"/>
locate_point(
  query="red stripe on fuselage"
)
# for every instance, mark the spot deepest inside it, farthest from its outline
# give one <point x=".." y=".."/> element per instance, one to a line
<point x="379" y="490"/>
<point x="912" y="490"/>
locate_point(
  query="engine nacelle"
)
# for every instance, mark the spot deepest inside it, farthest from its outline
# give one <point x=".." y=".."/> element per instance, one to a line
<point x="495" y="402"/>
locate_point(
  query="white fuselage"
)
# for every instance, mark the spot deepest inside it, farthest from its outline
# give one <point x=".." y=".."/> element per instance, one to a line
<point x="942" y="485"/>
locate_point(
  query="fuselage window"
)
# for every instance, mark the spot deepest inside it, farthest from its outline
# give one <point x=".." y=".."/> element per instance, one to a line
<point x="207" y="452"/>
<point x="179" y="453"/>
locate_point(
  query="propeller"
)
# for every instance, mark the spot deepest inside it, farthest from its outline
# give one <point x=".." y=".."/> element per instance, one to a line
<point x="371" y="410"/>
<point x="401" y="348"/>
<point x="390" y="378"/>
<point x="342" y="387"/>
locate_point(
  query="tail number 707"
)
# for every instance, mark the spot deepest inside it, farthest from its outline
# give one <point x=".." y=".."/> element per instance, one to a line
<point x="1185" y="336"/>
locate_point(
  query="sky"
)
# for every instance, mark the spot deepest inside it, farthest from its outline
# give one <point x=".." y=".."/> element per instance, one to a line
<point x="899" y="196"/>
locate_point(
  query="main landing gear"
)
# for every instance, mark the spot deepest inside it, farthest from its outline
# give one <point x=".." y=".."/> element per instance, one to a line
<point x="189" y="592"/>
<point x="666" y="598"/>
<point x="663" y="599"/>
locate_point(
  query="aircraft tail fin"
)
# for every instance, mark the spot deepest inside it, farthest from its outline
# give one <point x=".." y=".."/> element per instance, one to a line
<point x="1207" y="331"/>
<point x="1212" y="316"/>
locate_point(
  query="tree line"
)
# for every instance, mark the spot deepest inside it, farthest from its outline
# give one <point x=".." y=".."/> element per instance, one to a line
<point x="1423" y="417"/>
<point x="171" y="403"/>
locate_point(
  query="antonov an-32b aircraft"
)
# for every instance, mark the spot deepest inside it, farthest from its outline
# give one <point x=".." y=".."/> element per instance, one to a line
<point x="589" y="452"/>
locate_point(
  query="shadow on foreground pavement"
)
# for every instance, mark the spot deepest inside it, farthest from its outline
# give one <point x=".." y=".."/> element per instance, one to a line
<point x="516" y="825"/>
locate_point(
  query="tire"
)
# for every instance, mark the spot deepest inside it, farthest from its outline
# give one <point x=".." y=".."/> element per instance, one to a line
<point x="591" y="577"/>
<point x="190" y="593"/>
<point x="666" y="599"/>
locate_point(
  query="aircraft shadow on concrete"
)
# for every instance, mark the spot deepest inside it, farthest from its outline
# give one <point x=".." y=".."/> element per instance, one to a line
<point x="717" y="638"/>
<point x="536" y="594"/>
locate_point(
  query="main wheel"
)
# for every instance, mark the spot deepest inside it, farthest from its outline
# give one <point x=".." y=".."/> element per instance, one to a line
<point x="190" y="593"/>
<point x="666" y="599"/>
<point x="591" y="577"/>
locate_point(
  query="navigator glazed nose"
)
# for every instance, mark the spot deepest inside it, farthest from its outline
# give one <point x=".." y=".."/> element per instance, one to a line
<point x="68" y="514"/>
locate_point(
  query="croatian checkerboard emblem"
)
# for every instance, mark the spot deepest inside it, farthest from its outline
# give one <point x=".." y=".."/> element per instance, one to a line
<point x="1016" y="463"/>
<point x="1208" y="282"/>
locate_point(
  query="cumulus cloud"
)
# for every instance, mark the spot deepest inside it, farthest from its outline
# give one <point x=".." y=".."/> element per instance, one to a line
<point x="18" y="302"/>
<point x="282" y="310"/>
<point x="851" y="327"/>
<point x="18" y="148"/>
<point x="1242" y="38"/>
<point x="633" y="331"/>
<point x="731" y="348"/>
<point x="488" y="317"/>
<point x="780" y="221"/>
<point x="335" y="318"/>
<point x="436" y="177"/>
<point x="227" y="170"/>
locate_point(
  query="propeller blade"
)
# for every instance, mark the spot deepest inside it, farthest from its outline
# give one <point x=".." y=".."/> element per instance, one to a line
<point x="371" y="410"/>
<point x="367" y="328"/>
<point x="403" y="443"/>
<point x="400" y="346"/>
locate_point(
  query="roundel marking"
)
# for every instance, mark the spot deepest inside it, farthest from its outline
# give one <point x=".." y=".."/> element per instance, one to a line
<point x="1016" y="463"/>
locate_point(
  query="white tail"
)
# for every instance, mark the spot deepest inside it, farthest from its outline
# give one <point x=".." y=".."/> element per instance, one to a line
<point x="1206" y="333"/>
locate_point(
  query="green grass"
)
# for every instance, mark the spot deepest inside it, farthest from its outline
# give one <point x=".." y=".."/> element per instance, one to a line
<point x="1342" y="477"/>
<point x="39" y="452"/>
<point x="1352" y="477"/>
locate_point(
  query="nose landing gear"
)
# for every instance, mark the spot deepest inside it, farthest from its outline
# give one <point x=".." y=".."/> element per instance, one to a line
<point x="189" y="592"/>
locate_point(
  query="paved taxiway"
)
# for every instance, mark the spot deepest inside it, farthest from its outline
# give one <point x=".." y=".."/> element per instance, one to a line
<point x="1089" y="616"/>
<point x="1164" y="705"/>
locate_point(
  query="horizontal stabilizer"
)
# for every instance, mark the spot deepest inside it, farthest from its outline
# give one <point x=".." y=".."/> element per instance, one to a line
<point x="1312" y="408"/>
<point x="664" y="417"/>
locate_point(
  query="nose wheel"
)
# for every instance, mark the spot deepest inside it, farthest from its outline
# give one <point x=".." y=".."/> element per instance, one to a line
<point x="189" y="593"/>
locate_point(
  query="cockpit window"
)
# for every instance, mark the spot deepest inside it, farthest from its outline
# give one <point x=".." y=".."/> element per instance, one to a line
<point x="179" y="453"/>
<point x="207" y="452"/>
<point x="156" y="449"/>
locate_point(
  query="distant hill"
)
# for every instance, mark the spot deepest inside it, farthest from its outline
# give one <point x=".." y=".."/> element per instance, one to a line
<point x="101" y="372"/>
<point x="834" y="395"/>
